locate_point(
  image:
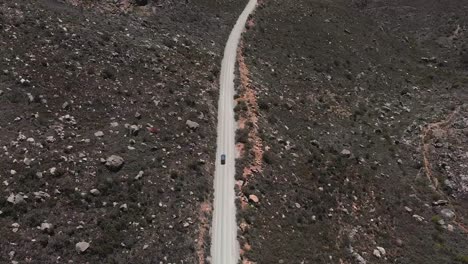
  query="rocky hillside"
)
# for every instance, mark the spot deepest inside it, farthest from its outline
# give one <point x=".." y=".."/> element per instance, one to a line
<point x="108" y="113"/>
<point x="360" y="120"/>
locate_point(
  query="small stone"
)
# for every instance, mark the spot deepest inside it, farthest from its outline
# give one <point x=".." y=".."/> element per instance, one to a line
<point x="81" y="247"/>
<point x="95" y="192"/>
<point x="12" y="172"/>
<point x="297" y="205"/>
<point x="15" y="227"/>
<point x="450" y="228"/>
<point x="377" y="253"/>
<point x="192" y="124"/>
<point x="145" y="247"/>
<point x="40" y="195"/>
<point x="114" y="124"/>
<point x="409" y="210"/>
<point x="99" y="134"/>
<point x="447" y="213"/>
<point x="382" y="251"/>
<point x="253" y="198"/>
<point x="139" y="175"/>
<point x="418" y="217"/>
<point x="30" y="97"/>
<point x="439" y="202"/>
<point x="133" y="130"/>
<point x="124" y="207"/>
<point x="186" y="224"/>
<point x="53" y="171"/>
<point x="114" y="163"/>
<point x="27" y="161"/>
<point x="66" y="105"/>
<point x="137" y="115"/>
<point x="16" y="199"/>
<point x="345" y="152"/>
<point x="46" y="227"/>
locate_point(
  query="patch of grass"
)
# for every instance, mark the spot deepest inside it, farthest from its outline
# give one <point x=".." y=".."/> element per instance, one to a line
<point x="462" y="258"/>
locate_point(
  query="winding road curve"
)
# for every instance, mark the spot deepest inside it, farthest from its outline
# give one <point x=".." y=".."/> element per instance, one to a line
<point x="224" y="244"/>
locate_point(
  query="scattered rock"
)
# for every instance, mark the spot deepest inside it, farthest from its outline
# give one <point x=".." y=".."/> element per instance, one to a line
<point x="450" y="228"/>
<point x="133" y="130"/>
<point x="409" y="210"/>
<point x="447" y="213"/>
<point x="439" y="202"/>
<point x="139" y="175"/>
<point x="114" y="163"/>
<point x="124" y="207"/>
<point x="16" y="199"/>
<point x="253" y="198"/>
<point x="382" y="251"/>
<point x="346" y="153"/>
<point x="46" y="227"/>
<point x="30" y="97"/>
<point x="40" y="195"/>
<point x="66" y="105"/>
<point x="53" y="171"/>
<point x="192" y="124"/>
<point x="359" y="258"/>
<point x="95" y="192"/>
<point x="27" y="161"/>
<point x="419" y="218"/>
<point x="99" y="134"/>
<point x="81" y="247"/>
<point x="376" y="253"/>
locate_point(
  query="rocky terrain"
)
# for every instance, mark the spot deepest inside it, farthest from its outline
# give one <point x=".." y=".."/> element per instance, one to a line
<point x="360" y="118"/>
<point x="108" y="114"/>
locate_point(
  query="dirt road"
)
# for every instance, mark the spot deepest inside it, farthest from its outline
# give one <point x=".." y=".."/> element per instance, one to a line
<point x="225" y="247"/>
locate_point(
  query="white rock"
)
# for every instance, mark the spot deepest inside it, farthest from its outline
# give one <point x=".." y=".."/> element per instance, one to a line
<point x="346" y="152"/>
<point x="53" y="171"/>
<point x="382" y="251"/>
<point x="95" y="192"/>
<point x="447" y="213"/>
<point x="27" y="161"/>
<point x="15" y="198"/>
<point x="81" y="247"/>
<point x="99" y="134"/>
<point x="139" y="176"/>
<point x="46" y="227"/>
<point x="192" y="124"/>
<point x="377" y="253"/>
